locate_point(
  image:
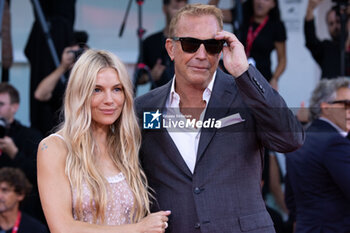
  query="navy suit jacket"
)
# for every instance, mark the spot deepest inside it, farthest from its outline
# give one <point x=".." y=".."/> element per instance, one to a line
<point x="223" y="194"/>
<point x="318" y="181"/>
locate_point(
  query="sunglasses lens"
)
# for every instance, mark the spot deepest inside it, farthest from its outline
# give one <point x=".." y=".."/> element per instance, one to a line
<point x="191" y="45"/>
<point x="213" y="46"/>
<point x="346" y="103"/>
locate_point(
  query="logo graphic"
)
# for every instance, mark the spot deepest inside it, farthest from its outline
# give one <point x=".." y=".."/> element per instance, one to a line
<point x="151" y="120"/>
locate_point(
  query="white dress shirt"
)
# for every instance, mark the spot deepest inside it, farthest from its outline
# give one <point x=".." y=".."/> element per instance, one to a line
<point x="185" y="139"/>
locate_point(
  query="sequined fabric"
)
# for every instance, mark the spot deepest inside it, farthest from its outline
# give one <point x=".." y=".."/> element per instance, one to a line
<point x="119" y="202"/>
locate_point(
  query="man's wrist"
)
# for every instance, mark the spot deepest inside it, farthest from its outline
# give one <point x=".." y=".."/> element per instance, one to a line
<point x="241" y="71"/>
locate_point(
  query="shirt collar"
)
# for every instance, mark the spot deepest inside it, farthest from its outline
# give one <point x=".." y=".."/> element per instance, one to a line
<point x="342" y="132"/>
<point x="175" y="98"/>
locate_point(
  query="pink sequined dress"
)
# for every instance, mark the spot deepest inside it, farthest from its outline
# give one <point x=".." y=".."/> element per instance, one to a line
<point x="119" y="201"/>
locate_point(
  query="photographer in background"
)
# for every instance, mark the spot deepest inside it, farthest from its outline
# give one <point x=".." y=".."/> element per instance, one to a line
<point x="326" y="52"/>
<point x="18" y="145"/>
<point x="51" y="89"/>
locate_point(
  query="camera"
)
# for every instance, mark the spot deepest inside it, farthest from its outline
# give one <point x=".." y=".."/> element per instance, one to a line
<point x="77" y="53"/>
<point x="3" y="127"/>
<point x="79" y="38"/>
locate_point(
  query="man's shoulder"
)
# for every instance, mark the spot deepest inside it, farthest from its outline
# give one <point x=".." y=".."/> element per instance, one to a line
<point x="321" y="126"/>
<point x="323" y="134"/>
<point x="319" y="135"/>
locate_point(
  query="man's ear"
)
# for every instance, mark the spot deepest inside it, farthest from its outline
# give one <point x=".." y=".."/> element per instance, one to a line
<point x="324" y="108"/>
<point x="169" y="45"/>
<point x="14" y="108"/>
<point x="20" y="197"/>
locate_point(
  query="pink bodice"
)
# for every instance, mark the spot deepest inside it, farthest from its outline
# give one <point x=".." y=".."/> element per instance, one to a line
<point x="119" y="202"/>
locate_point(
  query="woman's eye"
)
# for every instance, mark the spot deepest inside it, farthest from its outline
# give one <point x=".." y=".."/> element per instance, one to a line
<point x="97" y="90"/>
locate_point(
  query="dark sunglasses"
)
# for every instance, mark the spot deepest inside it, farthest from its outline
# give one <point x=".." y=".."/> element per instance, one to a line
<point x="345" y="102"/>
<point x="191" y="45"/>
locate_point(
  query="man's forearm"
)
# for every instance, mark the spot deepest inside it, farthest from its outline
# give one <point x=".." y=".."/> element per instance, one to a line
<point x="45" y="88"/>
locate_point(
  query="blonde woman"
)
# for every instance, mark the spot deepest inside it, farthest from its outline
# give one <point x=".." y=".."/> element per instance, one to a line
<point x="89" y="175"/>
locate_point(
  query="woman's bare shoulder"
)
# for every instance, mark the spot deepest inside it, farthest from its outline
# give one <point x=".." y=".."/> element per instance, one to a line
<point x="52" y="148"/>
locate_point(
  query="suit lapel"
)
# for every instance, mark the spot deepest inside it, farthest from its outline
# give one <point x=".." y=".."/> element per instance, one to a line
<point x="221" y="97"/>
<point x="168" y="145"/>
<point x="158" y="101"/>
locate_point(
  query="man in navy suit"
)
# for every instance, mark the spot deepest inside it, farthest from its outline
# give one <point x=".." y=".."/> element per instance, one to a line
<point x="318" y="174"/>
<point x="205" y="131"/>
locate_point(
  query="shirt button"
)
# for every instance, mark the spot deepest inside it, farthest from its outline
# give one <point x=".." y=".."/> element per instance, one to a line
<point x="197" y="190"/>
<point x="197" y="225"/>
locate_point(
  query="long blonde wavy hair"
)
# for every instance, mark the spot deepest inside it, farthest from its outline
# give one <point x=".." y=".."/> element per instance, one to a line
<point x="123" y="138"/>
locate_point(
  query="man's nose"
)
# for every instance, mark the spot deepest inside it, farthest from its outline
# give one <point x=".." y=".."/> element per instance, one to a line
<point x="201" y="52"/>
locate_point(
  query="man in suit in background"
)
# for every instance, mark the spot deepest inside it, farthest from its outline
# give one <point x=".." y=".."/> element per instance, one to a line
<point x="318" y="174"/>
<point x="208" y="174"/>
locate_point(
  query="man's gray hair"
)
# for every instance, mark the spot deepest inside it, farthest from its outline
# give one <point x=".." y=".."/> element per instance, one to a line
<point x="326" y="92"/>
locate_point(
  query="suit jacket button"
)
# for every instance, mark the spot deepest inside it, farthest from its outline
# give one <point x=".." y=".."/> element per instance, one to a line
<point x="197" y="225"/>
<point x="197" y="190"/>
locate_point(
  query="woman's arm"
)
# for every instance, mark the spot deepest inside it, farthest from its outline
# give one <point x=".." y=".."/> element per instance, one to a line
<point x="56" y="196"/>
<point x="281" y="63"/>
<point x="275" y="183"/>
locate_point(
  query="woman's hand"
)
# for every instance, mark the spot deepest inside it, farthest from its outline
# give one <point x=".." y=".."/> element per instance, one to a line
<point x="154" y="223"/>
